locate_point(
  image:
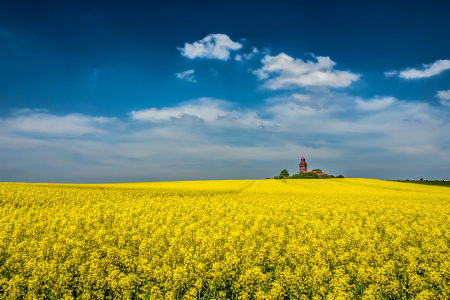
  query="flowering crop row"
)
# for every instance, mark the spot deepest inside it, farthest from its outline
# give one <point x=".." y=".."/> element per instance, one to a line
<point x="246" y="239"/>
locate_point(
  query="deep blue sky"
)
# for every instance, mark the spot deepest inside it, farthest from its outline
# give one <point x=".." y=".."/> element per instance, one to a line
<point x="105" y="59"/>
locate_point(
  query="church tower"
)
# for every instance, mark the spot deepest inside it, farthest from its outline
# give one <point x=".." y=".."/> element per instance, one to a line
<point x="303" y="166"/>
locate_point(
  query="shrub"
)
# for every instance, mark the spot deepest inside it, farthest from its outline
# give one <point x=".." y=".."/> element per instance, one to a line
<point x="325" y="176"/>
<point x="306" y="176"/>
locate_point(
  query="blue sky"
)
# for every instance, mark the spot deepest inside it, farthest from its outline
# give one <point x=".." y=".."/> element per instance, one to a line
<point x="106" y="91"/>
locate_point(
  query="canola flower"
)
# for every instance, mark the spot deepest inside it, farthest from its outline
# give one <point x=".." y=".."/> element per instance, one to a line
<point x="244" y="239"/>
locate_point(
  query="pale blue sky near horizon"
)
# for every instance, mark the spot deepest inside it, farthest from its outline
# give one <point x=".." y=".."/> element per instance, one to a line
<point x="113" y="91"/>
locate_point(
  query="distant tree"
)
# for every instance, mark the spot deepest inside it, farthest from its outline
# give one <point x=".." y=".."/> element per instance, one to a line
<point x="284" y="173"/>
<point x="317" y="170"/>
<point x="308" y="175"/>
<point x="340" y="176"/>
<point x="323" y="176"/>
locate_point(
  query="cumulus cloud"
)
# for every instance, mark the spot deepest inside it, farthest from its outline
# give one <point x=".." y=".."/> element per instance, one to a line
<point x="213" y="46"/>
<point x="186" y="75"/>
<point x="444" y="96"/>
<point x="427" y="70"/>
<point x="283" y="72"/>
<point x="375" y="104"/>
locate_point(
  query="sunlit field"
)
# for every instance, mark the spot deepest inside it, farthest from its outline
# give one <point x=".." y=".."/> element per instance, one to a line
<point x="245" y="239"/>
<point x="438" y="183"/>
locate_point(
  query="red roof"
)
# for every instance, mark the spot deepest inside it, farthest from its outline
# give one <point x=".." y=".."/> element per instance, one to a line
<point x="303" y="157"/>
<point x="321" y="173"/>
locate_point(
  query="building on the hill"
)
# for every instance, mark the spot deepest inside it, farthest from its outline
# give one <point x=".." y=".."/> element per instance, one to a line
<point x="304" y="168"/>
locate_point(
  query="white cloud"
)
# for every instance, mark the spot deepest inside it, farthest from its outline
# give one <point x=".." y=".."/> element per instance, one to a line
<point x="213" y="46"/>
<point x="444" y="96"/>
<point x="203" y="110"/>
<point x="375" y="104"/>
<point x="301" y="97"/>
<point x="390" y="73"/>
<point x="427" y="70"/>
<point x="293" y="110"/>
<point x="251" y="54"/>
<point x="186" y="75"/>
<point x="215" y="139"/>
<point x="311" y="118"/>
<point x="291" y="73"/>
<point x="28" y="111"/>
<point x="52" y="125"/>
<point x="247" y="56"/>
<point x="416" y="149"/>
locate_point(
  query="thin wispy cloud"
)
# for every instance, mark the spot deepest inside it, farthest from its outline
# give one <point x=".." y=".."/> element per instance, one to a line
<point x="207" y="132"/>
<point x="186" y="75"/>
<point x="47" y="124"/>
<point x="204" y="110"/>
<point x="427" y="70"/>
<point x="247" y="56"/>
<point x="390" y="73"/>
<point x="284" y="72"/>
<point x="444" y="97"/>
<point x="375" y="104"/>
<point x="27" y="111"/>
<point x="196" y="136"/>
<point x="213" y="46"/>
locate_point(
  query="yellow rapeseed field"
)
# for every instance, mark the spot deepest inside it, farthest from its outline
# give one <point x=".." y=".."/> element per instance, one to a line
<point x="243" y="239"/>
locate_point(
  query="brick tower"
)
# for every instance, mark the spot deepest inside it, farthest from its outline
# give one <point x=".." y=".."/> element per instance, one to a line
<point x="303" y="166"/>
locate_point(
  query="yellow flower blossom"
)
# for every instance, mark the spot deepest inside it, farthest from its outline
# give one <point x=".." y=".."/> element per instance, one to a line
<point x="238" y="239"/>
